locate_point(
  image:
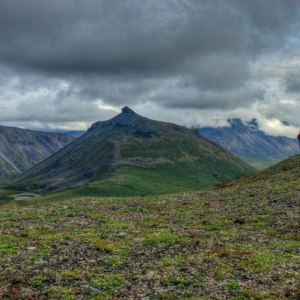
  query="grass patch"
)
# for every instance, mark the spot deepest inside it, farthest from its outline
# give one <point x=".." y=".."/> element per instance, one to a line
<point x="36" y="281"/>
<point x="60" y="292"/>
<point x="71" y="275"/>
<point x="105" y="245"/>
<point x="159" y="237"/>
<point x="109" y="281"/>
<point x="231" y="286"/>
<point x="177" y="260"/>
<point x="262" y="261"/>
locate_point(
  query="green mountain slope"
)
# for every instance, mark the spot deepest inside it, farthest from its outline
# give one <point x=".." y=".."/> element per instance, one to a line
<point x="285" y="176"/>
<point x="133" y="155"/>
<point x="239" y="241"/>
<point x="21" y="149"/>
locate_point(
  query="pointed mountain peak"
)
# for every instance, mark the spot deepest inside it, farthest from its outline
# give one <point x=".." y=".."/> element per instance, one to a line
<point x="127" y="110"/>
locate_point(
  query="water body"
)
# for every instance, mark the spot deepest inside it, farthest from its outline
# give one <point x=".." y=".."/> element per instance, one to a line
<point x="26" y="196"/>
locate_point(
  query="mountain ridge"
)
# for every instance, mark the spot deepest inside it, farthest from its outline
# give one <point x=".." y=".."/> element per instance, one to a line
<point x="21" y="149"/>
<point x="249" y="143"/>
<point x="130" y="144"/>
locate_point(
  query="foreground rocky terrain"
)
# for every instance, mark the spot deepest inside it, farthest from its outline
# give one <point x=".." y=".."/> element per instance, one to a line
<point x="237" y="241"/>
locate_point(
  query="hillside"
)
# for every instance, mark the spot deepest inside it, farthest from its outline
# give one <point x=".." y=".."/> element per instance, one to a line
<point x="239" y="241"/>
<point x="21" y="149"/>
<point x="250" y="144"/>
<point x="133" y="155"/>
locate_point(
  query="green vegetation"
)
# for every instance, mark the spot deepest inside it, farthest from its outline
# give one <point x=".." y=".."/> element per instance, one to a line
<point x="7" y="168"/>
<point x="105" y="245"/>
<point x="231" y="286"/>
<point x="22" y="149"/>
<point x="6" y="196"/>
<point x="258" y="162"/>
<point x="36" y="281"/>
<point x="236" y="241"/>
<point x="71" y="275"/>
<point x="175" y="166"/>
<point x="109" y="281"/>
<point x="133" y="156"/>
<point x="261" y="261"/>
<point x="159" y="237"/>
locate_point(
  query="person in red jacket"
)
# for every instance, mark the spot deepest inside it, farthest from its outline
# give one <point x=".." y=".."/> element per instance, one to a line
<point x="298" y="137"/>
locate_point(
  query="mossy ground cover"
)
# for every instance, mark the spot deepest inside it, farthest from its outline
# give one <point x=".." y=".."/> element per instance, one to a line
<point x="6" y="196"/>
<point x="236" y="242"/>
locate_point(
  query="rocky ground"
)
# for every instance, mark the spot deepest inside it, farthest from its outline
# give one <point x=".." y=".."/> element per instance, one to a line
<point x="236" y="242"/>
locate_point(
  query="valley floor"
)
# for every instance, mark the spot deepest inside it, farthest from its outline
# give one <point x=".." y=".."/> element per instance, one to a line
<point x="239" y="242"/>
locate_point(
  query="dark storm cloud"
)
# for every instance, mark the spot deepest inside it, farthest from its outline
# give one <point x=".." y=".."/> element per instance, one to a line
<point x="113" y="36"/>
<point x="198" y="99"/>
<point x="180" y="54"/>
<point x="292" y="82"/>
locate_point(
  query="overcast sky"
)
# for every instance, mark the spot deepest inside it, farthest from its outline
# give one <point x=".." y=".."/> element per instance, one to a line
<point x="66" y="64"/>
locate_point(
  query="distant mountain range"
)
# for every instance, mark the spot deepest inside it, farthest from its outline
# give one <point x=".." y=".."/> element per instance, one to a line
<point x="133" y="155"/>
<point x="249" y="143"/>
<point x="21" y="149"/>
<point x="74" y="133"/>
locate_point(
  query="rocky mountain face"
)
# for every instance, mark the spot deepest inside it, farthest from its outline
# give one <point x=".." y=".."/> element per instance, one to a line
<point x="246" y="141"/>
<point x="136" y="155"/>
<point x="21" y="149"/>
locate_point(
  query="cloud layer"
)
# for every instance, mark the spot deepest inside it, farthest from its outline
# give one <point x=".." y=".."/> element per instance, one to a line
<point x="75" y="61"/>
